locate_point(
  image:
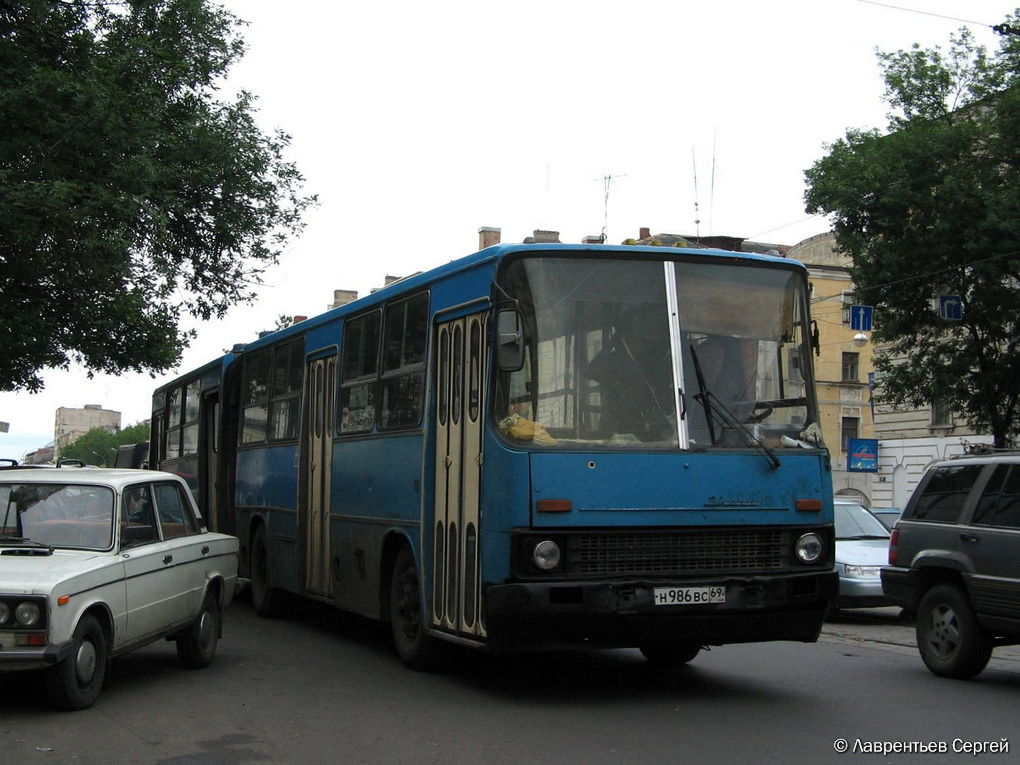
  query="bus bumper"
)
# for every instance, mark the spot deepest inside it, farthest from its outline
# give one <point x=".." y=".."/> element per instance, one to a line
<point x="615" y="614"/>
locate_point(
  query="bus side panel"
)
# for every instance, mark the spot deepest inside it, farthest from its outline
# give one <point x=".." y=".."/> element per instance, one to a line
<point x="267" y="486"/>
<point x="506" y="500"/>
<point x="376" y="485"/>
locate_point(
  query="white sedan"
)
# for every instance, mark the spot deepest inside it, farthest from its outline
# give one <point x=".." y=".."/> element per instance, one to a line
<point x="97" y="562"/>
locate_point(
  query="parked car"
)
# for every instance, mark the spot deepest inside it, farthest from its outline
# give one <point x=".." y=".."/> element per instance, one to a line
<point x="97" y="562"/>
<point x="888" y="515"/>
<point x="862" y="548"/>
<point x="954" y="559"/>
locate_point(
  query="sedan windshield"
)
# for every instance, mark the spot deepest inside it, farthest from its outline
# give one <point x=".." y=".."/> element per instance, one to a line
<point x="57" y="515"/>
<point x="694" y="353"/>
<point x="854" y="522"/>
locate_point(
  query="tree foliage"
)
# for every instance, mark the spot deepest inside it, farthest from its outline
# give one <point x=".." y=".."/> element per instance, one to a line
<point x="930" y="208"/>
<point x="131" y="192"/>
<point x="99" y="445"/>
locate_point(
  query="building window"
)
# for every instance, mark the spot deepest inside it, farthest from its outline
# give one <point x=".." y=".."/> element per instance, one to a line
<point x="941" y="415"/>
<point x="850" y="429"/>
<point x="851" y="367"/>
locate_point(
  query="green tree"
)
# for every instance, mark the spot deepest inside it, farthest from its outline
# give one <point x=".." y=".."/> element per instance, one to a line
<point x="131" y="192"/>
<point x="99" y="445"/>
<point x="930" y="208"/>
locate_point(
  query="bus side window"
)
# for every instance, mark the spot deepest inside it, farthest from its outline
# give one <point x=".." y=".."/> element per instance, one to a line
<point x="403" y="375"/>
<point x="359" y="373"/>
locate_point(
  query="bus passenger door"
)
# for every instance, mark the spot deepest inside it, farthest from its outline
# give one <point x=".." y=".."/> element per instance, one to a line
<point x="318" y="468"/>
<point x="209" y="467"/>
<point x="460" y="395"/>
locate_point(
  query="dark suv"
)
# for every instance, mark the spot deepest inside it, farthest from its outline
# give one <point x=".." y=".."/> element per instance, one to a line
<point x="954" y="559"/>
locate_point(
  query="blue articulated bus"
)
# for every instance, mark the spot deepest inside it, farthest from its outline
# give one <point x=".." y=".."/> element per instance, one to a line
<point x="532" y="446"/>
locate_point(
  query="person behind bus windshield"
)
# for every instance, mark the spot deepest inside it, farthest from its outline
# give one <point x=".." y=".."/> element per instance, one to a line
<point x="635" y="375"/>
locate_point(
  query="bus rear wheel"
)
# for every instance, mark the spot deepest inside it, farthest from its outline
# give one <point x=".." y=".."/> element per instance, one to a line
<point x="416" y="648"/>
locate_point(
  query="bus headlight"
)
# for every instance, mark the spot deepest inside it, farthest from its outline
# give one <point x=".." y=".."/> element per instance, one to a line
<point x="546" y="555"/>
<point x="27" y="614"/>
<point x="809" y="548"/>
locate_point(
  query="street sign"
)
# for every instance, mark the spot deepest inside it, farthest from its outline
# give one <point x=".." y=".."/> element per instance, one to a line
<point x="861" y="317"/>
<point x="951" y="307"/>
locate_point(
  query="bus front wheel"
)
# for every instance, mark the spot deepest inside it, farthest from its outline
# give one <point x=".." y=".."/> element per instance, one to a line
<point x="416" y="648"/>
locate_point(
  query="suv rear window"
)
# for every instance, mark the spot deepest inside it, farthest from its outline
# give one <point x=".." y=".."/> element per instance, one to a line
<point x="1000" y="502"/>
<point x="945" y="493"/>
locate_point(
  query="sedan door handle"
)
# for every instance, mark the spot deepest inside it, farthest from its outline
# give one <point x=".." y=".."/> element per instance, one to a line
<point x="970" y="537"/>
<point x="168" y="559"/>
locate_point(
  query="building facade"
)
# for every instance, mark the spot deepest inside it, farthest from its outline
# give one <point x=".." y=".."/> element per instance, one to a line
<point x="909" y="440"/>
<point x="844" y="365"/>
<point x="71" y="424"/>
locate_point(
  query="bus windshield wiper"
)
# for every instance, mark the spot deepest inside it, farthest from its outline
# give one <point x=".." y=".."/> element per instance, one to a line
<point x="713" y="405"/>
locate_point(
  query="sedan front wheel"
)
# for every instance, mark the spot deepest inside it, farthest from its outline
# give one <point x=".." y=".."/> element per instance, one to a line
<point x="75" y="682"/>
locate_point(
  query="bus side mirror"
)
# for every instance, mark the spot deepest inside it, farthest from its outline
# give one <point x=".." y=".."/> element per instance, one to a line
<point x="509" y="341"/>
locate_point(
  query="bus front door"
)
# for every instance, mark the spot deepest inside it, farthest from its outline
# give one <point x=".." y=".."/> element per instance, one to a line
<point x="460" y="384"/>
<point x="320" y="378"/>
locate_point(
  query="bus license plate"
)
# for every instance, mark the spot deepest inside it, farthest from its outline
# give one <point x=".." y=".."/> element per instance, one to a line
<point x="688" y="596"/>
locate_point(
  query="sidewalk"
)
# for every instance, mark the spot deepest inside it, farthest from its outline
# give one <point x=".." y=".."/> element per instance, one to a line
<point x="886" y="628"/>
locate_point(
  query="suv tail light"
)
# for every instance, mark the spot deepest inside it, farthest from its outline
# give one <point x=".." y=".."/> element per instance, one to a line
<point x="894" y="552"/>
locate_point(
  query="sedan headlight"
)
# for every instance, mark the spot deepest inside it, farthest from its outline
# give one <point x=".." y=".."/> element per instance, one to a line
<point x="862" y="572"/>
<point x="27" y="614"/>
<point x="5" y="612"/>
<point x="809" y="548"/>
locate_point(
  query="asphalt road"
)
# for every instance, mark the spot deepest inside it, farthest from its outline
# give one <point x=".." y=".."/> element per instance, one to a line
<point x="320" y="687"/>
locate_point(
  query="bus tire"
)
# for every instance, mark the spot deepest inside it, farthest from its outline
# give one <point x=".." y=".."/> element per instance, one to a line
<point x="670" y="654"/>
<point x="949" y="638"/>
<point x="196" y="646"/>
<point x="416" y="648"/>
<point x="268" y="600"/>
<point x="75" y="682"/>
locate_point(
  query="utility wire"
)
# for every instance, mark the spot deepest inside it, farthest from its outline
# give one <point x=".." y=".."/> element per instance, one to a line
<point x="919" y="276"/>
<point x="1002" y="29"/>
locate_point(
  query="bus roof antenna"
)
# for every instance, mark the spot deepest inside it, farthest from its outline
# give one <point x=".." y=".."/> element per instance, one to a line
<point x="697" y="217"/>
<point x="607" y="180"/>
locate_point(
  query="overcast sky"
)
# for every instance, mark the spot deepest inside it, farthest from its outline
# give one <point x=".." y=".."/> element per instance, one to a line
<point x="417" y="123"/>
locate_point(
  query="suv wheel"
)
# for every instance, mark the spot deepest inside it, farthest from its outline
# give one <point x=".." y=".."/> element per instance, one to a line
<point x="949" y="638"/>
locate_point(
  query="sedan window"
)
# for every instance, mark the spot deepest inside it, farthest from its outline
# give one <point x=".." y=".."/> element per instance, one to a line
<point x="138" y="521"/>
<point x="175" y="515"/>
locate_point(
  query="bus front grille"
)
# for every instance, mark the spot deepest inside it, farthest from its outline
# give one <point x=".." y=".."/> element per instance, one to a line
<point x="718" y="551"/>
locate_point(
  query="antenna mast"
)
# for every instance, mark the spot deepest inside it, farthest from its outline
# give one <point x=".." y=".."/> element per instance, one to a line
<point x="697" y="218"/>
<point x="607" y="180"/>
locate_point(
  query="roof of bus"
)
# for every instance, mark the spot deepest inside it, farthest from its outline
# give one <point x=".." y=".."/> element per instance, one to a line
<point x="489" y="254"/>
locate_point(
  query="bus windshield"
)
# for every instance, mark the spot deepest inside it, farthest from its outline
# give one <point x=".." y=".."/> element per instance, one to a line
<point x="637" y="354"/>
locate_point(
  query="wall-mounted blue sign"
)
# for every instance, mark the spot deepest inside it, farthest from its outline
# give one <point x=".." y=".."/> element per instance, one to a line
<point x="862" y="455"/>
<point x="861" y="317"/>
<point x="951" y="307"/>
